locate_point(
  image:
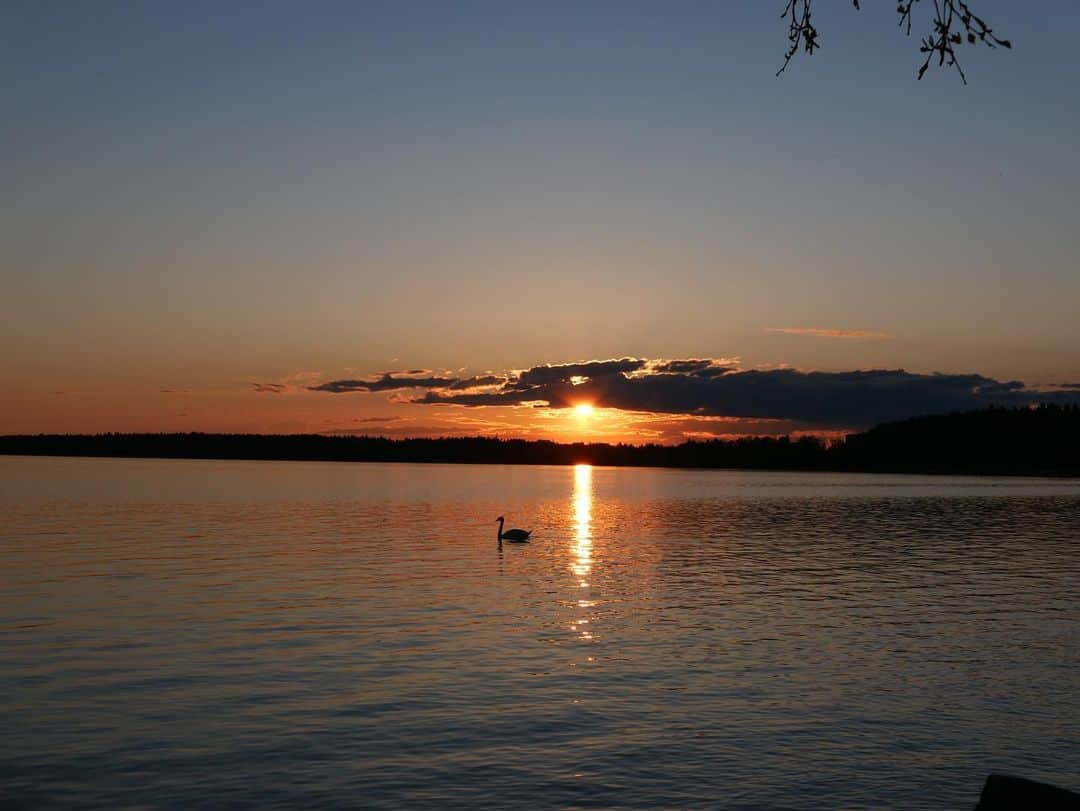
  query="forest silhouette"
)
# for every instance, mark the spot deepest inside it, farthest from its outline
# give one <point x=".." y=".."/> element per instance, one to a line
<point x="1044" y="440"/>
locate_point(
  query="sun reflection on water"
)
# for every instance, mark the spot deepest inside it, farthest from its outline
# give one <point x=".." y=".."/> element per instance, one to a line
<point x="582" y="560"/>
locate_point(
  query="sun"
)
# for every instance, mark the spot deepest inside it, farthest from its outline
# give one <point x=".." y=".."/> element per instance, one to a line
<point x="583" y="410"/>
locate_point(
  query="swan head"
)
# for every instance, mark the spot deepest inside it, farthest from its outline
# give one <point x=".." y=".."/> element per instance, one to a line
<point x="500" y="518"/>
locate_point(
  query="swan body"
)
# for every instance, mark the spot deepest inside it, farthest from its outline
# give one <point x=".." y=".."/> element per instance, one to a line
<point x="512" y="535"/>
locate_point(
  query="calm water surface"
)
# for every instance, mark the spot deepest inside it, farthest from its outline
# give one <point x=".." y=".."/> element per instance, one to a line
<point x="186" y="633"/>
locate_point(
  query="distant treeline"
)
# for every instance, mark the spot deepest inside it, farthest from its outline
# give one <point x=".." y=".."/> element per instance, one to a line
<point x="1043" y="440"/>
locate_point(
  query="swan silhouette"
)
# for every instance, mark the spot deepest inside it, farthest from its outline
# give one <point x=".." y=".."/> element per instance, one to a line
<point x="512" y="535"/>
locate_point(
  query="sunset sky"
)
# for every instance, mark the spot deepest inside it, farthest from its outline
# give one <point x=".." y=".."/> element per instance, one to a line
<point x="403" y="218"/>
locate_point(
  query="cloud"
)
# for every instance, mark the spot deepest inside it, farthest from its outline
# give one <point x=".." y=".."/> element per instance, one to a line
<point x="713" y="388"/>
<point x="697" y="367"/>
<point x="388" y="382"/>
<point x="290" y="384"/>
<point x="538" y="375"/>
<point x="682" y="366"/>
<point x="827" y="399"/>
<point x="566" y="372"/>
<point x="815" y="332"/>
<point x="477" y="382"/>
<point x="499" y="398"/>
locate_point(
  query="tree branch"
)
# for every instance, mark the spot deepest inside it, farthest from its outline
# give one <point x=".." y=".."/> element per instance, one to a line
<point x="954" y="24"/>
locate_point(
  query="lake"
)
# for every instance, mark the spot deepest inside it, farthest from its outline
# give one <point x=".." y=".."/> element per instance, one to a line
<point x="204" y="633"/>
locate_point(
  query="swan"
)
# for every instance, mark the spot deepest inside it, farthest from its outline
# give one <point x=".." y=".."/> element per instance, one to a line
<point x="512" y="535"/>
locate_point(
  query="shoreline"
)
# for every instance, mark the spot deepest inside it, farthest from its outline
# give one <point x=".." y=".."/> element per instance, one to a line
<point x="1039" y="442"/>
<point x="1056" y="475"/>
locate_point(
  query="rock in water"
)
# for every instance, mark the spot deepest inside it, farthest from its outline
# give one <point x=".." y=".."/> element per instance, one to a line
<point x="1004" y="793"/>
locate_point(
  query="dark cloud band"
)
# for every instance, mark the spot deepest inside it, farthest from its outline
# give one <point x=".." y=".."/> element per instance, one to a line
<point x="843" y="399"/>
<point x="716" y="388"/>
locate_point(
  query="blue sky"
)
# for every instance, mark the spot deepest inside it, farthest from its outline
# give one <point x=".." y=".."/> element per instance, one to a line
<point x="203" y="194"/>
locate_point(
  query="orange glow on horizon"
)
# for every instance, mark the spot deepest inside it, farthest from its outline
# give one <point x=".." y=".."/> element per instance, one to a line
<point x="288" y="408"/>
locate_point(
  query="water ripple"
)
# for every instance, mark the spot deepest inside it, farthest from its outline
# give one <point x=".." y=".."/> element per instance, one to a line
<point x="670" y="639"/>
